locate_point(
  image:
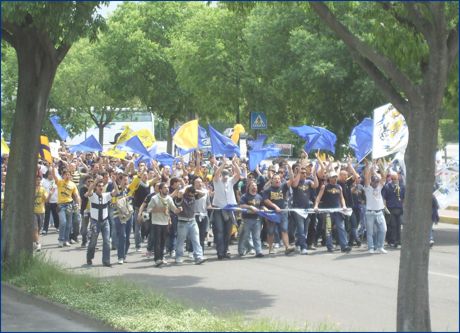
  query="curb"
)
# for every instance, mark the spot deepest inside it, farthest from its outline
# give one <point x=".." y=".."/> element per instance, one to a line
<point x="448" y="219"/>
<point x="63" y="309"/>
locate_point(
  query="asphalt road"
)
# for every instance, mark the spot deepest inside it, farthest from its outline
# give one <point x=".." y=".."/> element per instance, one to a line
<point x="355" y="292"/>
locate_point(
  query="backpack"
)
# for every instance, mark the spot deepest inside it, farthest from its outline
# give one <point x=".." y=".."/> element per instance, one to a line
<point x="124" y="209"/>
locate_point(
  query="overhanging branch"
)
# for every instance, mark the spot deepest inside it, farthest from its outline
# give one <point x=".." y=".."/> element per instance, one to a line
<point x="355" y="45"/>
<point x="9" y="38"/>
<point x="382" y="82"/>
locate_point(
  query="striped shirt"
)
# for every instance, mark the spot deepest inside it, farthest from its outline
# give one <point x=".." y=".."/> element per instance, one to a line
<point x="99" y="206"/>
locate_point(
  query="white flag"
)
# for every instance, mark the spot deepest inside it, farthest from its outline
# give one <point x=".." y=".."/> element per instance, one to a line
<point x="390" y="132"/>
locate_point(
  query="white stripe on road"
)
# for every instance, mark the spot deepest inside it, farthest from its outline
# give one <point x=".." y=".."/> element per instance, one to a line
<point x="445" y="275"/>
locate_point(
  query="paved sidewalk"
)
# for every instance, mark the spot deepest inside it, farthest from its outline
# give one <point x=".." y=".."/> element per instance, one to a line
<point x="22" y="312"/>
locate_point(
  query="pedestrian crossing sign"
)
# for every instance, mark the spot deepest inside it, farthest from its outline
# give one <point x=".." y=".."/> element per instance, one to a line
<point x="258" y="120"/>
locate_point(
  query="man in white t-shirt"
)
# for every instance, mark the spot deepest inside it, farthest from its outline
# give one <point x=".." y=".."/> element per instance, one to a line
<point x="160" y="205"/>
<point x="375" y="220"/>
<point x="224" y="195"/>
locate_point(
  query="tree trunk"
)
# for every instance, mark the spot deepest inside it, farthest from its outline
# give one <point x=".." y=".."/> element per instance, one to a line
<point x="169" y="147"/>
<point x="101" y="134"/>
<point x="413" y="310"/>
<point x="37" y="68"/>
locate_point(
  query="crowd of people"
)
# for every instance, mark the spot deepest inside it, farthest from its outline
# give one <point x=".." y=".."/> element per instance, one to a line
<point x="206" y="204"/>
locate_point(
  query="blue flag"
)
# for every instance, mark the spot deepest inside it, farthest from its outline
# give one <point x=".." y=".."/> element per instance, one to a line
<point x="271" y="216"/>
<point x="59" y="129"/>
<point x="147" y="159"/>
<point x="361" y="138"/>
<point x="88" y="145"/>
<point x="221" y="145"/>
<point x="134" y="145"/>
<point x="316" y="137"/>
<point x="257" y="155"/>
<point x="325" y="141"/>
<point x="165" y="159"/>
<point x="257" y="143"/>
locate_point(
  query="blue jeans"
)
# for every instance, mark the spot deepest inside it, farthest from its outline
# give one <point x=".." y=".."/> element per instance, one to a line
<point x="137" y="229"/>
<point x="172" y="241"/>
<point x="252" y="227"/>
<point x="95" y="228"/>
<point x="301" y="230"/>
<point x="65" y="221"/>
<point x="338" y="221"/>
<point x="376" y="229"/>
<point x="113" y="229"/>
<point x="123" y="233"/>
<point x="222" y="222"/>
<point x="188" y="229"/>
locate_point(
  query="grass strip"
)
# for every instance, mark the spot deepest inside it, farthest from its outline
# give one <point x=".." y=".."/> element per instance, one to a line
<point x="127" y="306"/>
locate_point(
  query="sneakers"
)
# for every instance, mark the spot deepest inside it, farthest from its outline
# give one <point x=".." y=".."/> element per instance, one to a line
<point x="276" y="246"/>
<point x="158" y="263"/>
<point x="60" y="244"/>
<point x="173" y="253"/>
<point x="39" y="247"/>
<point x="272" y="251"/>
<point x="179" y="261"/>
<point x="431" y="243"/>
<point x="289" y="250"/>
<point x="311" y="247"/>
<point x="44" y="232"/>
<point x="190" y="255"/>
<point x="382" y="250"/>
<point x="371" y="251"/>
<point x="165" y="262"/>
<point x="346" y="249"/>
<point x="304" y="251"/>
<point x="138" y="249"/>
<point x="120" y="261"/>
<point x="297" y="248"/>
<point x="252" y="252"/>
<point x="259" y="255"/>
<point x="73" y="241"/>
<point x="200" y="261"/>
<point x="66" y="244"/>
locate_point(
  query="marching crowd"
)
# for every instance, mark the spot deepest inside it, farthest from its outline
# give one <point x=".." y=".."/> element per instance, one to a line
<point x="209" y="203"/>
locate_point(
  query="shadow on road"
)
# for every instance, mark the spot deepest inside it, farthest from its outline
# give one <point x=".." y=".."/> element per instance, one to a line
<point x="185" y="289"/>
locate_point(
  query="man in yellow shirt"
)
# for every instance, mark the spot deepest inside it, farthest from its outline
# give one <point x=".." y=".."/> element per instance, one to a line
<point x="67" y="196"/>
<point x="41" y="196"/>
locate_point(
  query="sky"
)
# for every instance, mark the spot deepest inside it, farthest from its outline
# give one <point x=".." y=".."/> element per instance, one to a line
<point x="106" y="10"/>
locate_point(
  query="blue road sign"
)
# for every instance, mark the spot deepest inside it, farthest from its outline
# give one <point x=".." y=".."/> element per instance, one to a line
<point x="258" y="120"/>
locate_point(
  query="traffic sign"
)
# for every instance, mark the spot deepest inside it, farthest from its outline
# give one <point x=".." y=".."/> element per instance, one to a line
<point x="258" y="120"/>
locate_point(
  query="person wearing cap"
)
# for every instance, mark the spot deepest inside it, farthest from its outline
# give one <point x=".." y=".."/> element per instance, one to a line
<point x="224" y="195"/>
<point x="332" y="196"/>
<point x="302" y="192"/>
<point x="375" y="220"/>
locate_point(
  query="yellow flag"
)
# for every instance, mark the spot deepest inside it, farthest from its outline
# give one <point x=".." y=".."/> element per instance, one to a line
<point x="125" y="135"/>
<point x="186" y="136"/>
<point x="237" y="130"/>
<point x="45" y="151"/>
<point x="5" y="148"/>
<point x="116" y="153"/>
<point x="146" y="137"/>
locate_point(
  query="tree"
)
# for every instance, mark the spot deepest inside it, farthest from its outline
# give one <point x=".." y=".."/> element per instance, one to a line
<point x="309" y="77"/>
<point x="414" y="82"/>
<point x="82" y="89"/>
<point x="42" y="34"/>
<point x="207" y="53"/>
<point x="135" y="50"/>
